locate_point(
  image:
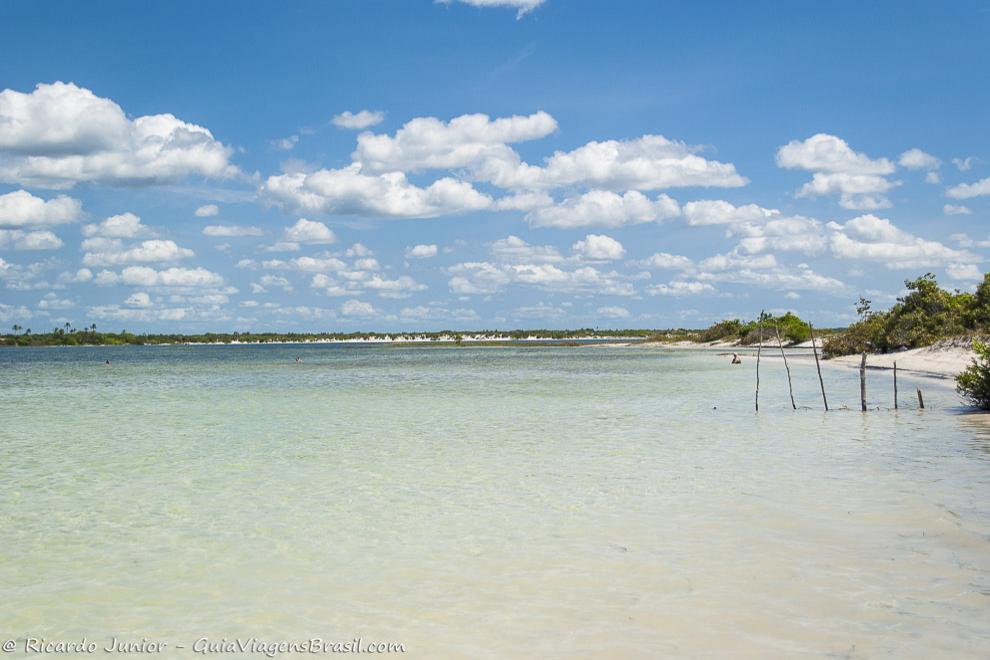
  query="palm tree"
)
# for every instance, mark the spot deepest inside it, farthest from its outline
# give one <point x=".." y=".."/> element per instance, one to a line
<point x="16" y="328"/>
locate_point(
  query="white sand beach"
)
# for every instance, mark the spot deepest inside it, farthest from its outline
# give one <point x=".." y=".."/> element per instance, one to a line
<point x="943" y="360"/>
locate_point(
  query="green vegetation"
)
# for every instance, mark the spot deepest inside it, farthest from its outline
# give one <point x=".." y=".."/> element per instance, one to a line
<point x="69" y="336"/>
<point x="974" y="383"/>
<point x="792" y="330"/>
<point x="927" y="314"/>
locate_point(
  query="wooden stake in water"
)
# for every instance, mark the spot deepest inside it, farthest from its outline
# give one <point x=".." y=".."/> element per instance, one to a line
<point x="921" y="400"/>
<point x="818" y="366"/>
<point x="758" y="351"/>
<point x="895" y="384"/>
<point x="862" y="382"/>
<point x="781" y="347"/>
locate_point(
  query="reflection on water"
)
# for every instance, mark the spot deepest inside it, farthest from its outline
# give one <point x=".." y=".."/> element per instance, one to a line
<point x="484" y="502"/>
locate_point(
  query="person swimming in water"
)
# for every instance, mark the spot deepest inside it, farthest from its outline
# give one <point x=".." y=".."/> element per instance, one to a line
<point x="736" y="359"/>
<point x="106" y="362"/>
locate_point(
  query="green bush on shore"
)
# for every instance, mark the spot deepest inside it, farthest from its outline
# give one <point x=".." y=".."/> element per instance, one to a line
<point x="973" y="384"/>
<point x="925" y="315"/>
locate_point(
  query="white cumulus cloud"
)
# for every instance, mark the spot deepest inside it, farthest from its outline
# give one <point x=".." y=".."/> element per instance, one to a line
<point x="61" y="134"/>
<point x="870" y="238"/>
<point x="422" y="251"/>
<point x="309" y="232"/>
<point x="231" y="231"/>
<point x="602" y="208"/>
<point x="354" y="120"/>
<point x="970" y="190"/>
<point x="598" y="247"/>
<point x="20" y="209"/>
<point x="858" y="180"/>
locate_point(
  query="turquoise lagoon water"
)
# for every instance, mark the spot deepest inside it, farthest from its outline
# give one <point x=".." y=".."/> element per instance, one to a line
<point x="487" y="502"/>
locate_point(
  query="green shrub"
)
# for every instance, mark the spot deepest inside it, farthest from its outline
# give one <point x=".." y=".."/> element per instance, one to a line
<point x="721" y="330"/>
<point x="974" y="383"/>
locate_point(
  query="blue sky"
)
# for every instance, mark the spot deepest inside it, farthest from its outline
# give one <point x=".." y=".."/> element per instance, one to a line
<point x="478" y="164"/>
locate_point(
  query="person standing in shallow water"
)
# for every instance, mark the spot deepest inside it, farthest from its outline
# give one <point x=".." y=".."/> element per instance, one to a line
<point x="736" y="359"/>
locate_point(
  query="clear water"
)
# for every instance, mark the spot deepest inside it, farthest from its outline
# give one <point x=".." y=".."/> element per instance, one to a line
<point x="488" y="502"/>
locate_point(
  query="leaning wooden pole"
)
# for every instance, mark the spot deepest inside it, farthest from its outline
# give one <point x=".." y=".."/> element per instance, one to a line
<point x="781" y="347"/>
<point x="895" y="384"/>
<point x="921" y="400"/>
<point x="758" y="351"/>
<point x="862" y="382"/>
<point x="818" y="366"/>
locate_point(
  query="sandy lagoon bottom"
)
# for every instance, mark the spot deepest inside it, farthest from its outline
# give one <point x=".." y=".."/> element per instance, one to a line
<point x="487" y="502"/>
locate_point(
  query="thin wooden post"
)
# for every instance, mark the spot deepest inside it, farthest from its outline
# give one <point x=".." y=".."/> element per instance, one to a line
<point x="862" y="382"/>
<point x="818" y="366"/>
<point x="781" y="347"/>
<point x="921" y="400"/>
<point x="895" y="384"/>
<point x="758" y="351"/>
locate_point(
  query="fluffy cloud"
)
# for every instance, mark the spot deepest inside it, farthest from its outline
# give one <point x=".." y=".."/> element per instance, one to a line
<point x="145" y="315"/>
<point x="349" y="191"/>
<point x="476" y="148"/>
<point x="667" y="261"/>
<point x="60" y="134"/>
<point x="207" y="211"/>
<point x="764" y="271"/>
<point x="437" y="311"/>
<point x="427" y="143"/>
<point x="231" y="231"/>
<point x="964" y="164"/>
<point x="719" y="212"/>
<point x="358" y="308"/>
<point x="484" y="277"/>
<point x="271" y="282"/>
<point x="828" y="153"/>
<point x="138" y="299"/>
<point x="599" y="247"/>
<point x="651" y="162"/>
<point x="681" y="289"/>
<point x="870" y="238"/>
<point x="124" y="225"/>
<point x="969" y="272"/>
<point x="354" y="120"/>
<point x="108" y="252"/>
<point x="522" y="7"/>
<point x="614" y="312"/>
<point x="172" y="277"/>
<point x="604" y="209"/>
<point x="795" y="233"/>
<point x="857" y="179"/>
<point x="421" y="251"/>
<point x="916" y="159"/>
<point x="319" y="264"/>
<point x="969" y="190"/>
<point x="309" y="232"/>
<point x="17" y="239"/>
<point x="513" y="249"/>
<point x="50" y="301"/>
<point x="955" y="209"/>
<point x="20" y="209"/>
<point x="400" y="287"/>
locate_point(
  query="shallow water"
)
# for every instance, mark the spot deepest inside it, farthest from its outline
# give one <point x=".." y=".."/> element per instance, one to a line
<point x="488" y="502"/>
